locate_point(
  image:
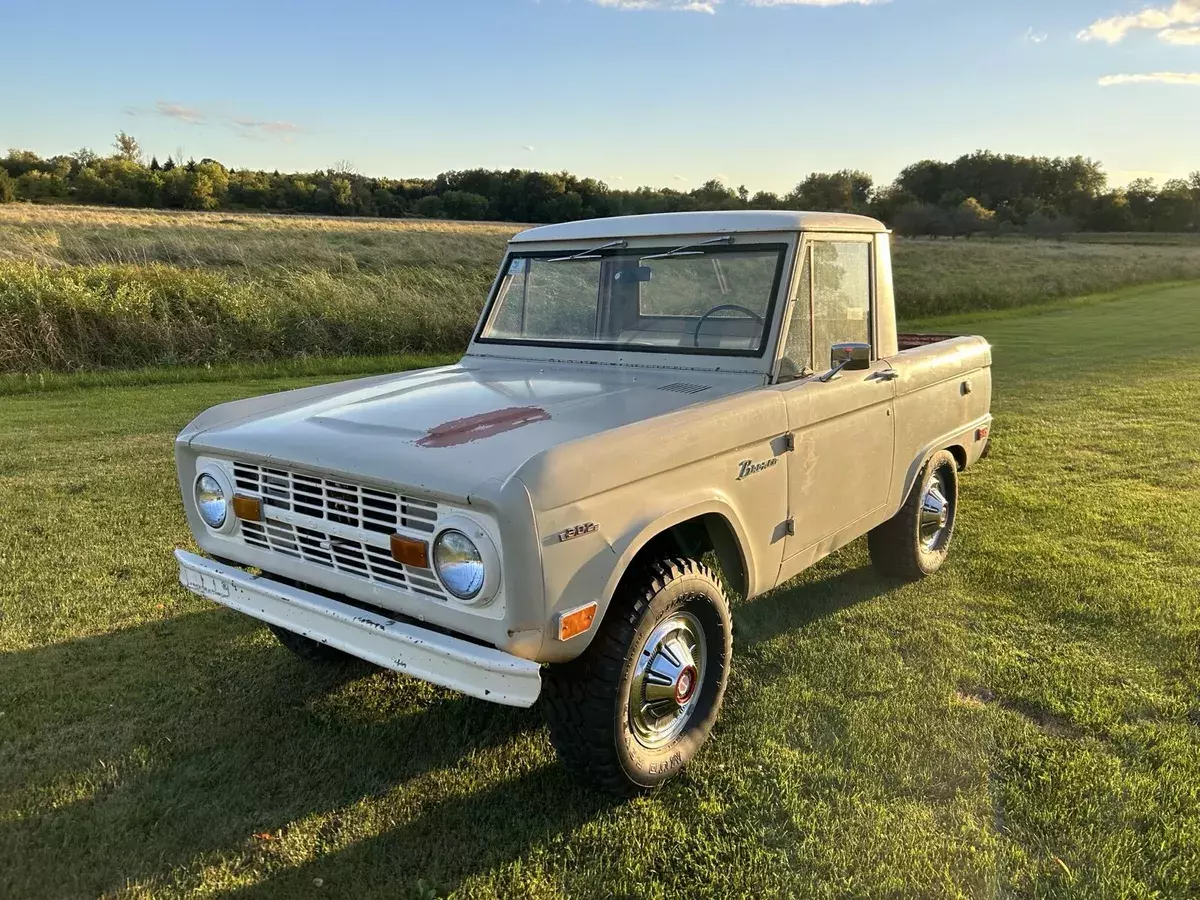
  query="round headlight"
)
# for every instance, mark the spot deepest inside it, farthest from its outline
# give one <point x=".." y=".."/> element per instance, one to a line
<point x="459" y="564"/>
<point x="211" y="502"/>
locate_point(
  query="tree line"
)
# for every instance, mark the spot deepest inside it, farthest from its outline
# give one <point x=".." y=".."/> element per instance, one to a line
<point x="981" y="192"/>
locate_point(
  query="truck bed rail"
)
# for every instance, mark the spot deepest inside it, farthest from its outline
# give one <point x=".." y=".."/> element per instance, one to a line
<point x="911" y="341"/>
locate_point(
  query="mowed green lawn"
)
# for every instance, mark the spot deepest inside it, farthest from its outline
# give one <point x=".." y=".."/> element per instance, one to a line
<point x="1027" y="723"/>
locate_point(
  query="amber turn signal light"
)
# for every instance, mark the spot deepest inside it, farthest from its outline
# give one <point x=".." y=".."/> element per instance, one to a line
<point x="410" y="551"/>
<point x="577" y="621"/>
<point x="248" y="509"/>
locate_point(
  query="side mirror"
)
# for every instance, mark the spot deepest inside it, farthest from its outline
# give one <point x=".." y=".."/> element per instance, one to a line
<point x="851" y="357"/>
<point x="855" y="356"/>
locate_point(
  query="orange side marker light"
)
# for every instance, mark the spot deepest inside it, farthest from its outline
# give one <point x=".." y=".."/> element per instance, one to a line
<point x="576" y="621"/>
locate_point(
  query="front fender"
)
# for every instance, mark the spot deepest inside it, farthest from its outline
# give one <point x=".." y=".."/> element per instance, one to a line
<point x="587" y="566"/>
<point x="598" y="501"/>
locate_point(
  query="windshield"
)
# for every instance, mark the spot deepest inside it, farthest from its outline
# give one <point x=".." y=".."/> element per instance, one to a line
<point x="712" y="300"/>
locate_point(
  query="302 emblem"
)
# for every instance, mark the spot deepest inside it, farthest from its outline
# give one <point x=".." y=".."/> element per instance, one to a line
<point x="577" y="531"/>
<point x="747" y="467"/>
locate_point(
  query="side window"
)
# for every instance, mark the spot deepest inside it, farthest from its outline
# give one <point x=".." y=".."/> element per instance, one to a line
<point x="797" y="353"/>
<point x="841" y="294"/>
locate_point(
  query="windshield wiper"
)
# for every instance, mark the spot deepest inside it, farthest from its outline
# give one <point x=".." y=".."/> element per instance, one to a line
<point x="688" y="249"/>
<point x="592" y="253"/>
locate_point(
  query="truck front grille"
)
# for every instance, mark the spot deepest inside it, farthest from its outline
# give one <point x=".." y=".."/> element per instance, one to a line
<point x="336" y="501"/>
<point x="343" y="555"/>
<point x="369" y="511"/>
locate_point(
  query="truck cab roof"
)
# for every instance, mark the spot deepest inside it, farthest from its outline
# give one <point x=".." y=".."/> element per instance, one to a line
<point x="689" y="223"/>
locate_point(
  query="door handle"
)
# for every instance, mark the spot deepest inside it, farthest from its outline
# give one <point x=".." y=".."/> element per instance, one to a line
<point x="887" y="375"/>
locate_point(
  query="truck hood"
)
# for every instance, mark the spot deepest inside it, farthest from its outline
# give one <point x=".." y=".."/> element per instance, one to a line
<point x="446" y="431"/>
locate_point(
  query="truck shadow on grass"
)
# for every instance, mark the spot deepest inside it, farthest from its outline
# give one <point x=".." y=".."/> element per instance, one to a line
<point x="822" y="591"/>
<point x="135" y="754"/>
<point x="132" y="753"/>
<point x="455" y="838"/>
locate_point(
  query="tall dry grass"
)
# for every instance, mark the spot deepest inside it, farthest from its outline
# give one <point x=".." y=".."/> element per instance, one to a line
<point x="91" y="288"/>
<point x="83" y="236"/>
<point x="87" y="288"/>
<point x="66" y="318"/>
<point x="935" y="278"/>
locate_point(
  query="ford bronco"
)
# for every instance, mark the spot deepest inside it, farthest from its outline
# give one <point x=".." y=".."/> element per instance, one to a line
<point x="654" y="413"/>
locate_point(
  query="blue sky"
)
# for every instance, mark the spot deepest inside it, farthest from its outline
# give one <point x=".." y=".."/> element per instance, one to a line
<point x="660" y="92"/>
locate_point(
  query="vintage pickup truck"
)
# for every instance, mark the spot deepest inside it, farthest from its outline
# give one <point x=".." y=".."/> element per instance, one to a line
<point x="655" y="412"/>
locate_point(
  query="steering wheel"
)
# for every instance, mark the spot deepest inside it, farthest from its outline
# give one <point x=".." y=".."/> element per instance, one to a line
<point x="716" y="309"/>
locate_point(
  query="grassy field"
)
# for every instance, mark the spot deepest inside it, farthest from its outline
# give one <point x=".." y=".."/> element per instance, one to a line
<point x="86" y="288"/>
<point x="1025" y="724"/>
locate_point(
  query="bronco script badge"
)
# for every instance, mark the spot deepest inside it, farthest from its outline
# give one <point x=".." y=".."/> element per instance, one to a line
<point x="746" y="467"/>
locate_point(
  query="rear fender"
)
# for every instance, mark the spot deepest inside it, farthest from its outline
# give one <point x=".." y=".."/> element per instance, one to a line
<point x="964" y="444"/>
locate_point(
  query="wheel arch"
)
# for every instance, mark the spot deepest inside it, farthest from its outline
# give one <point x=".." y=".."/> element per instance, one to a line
<point x="956" y="443"/>
<point x="959" y="452"/>
<point x="919" y="462"/>
<point x="711" y="526"/>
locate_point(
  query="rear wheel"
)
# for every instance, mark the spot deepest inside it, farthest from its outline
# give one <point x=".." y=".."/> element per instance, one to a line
<point x="635" y="707"/>
<point x="916" y="541"/>
<point x="307" y="648"/>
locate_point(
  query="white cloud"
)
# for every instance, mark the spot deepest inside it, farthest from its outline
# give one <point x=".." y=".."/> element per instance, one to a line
<point x="1035" y="37"/>
<point x="710" y="6"/>
<point x="245" y="126"/>
<point x="1161" y="19"/>
<point x="679" y="177"/>
<point x="704" y="6"/>
<point x="815" y="2"/>
<point x="1181" y="35"/>
<point x="182" y="113"/>
<point x="276" y="127"/>
<point x="1187" y="78"/>
<point x="528" y="148"/>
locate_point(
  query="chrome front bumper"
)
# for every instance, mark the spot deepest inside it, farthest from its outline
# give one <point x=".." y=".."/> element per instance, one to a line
<point x="482" y="672"/>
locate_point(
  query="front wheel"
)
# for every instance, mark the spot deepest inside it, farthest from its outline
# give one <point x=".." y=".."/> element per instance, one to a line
<point x="634" y="708"/>
<point x="308" y="649"/>
<point x="916" y="541"/>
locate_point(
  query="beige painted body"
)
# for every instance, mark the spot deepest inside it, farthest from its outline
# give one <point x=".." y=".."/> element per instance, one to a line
<point x="778" y="473"/>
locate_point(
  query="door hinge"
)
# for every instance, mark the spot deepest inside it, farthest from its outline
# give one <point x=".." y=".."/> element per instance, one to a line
<point x="789" y="527"/>
<point x="789" y="442"/>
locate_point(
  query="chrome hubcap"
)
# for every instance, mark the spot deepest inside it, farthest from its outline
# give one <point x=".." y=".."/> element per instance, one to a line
<point x="666" y="680"/>
<point x="935" y="514"/>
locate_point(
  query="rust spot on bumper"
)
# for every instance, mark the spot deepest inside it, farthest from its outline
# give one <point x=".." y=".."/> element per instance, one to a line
<point x="484" y="425"/>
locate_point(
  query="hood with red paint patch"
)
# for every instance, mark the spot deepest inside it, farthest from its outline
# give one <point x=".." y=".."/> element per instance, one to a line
<point x="447" y="430"/>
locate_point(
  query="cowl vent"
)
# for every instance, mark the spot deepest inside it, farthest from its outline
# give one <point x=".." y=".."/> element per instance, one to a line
<point x="682" y="387"/>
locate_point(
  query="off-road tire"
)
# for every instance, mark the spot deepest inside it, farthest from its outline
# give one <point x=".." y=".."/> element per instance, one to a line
<point x="897" y="548"/>
<point x="586" y="701"/>
<point x="307" y="648"/>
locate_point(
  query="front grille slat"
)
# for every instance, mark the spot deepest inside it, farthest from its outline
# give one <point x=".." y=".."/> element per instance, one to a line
<point x="368" y="510"/>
